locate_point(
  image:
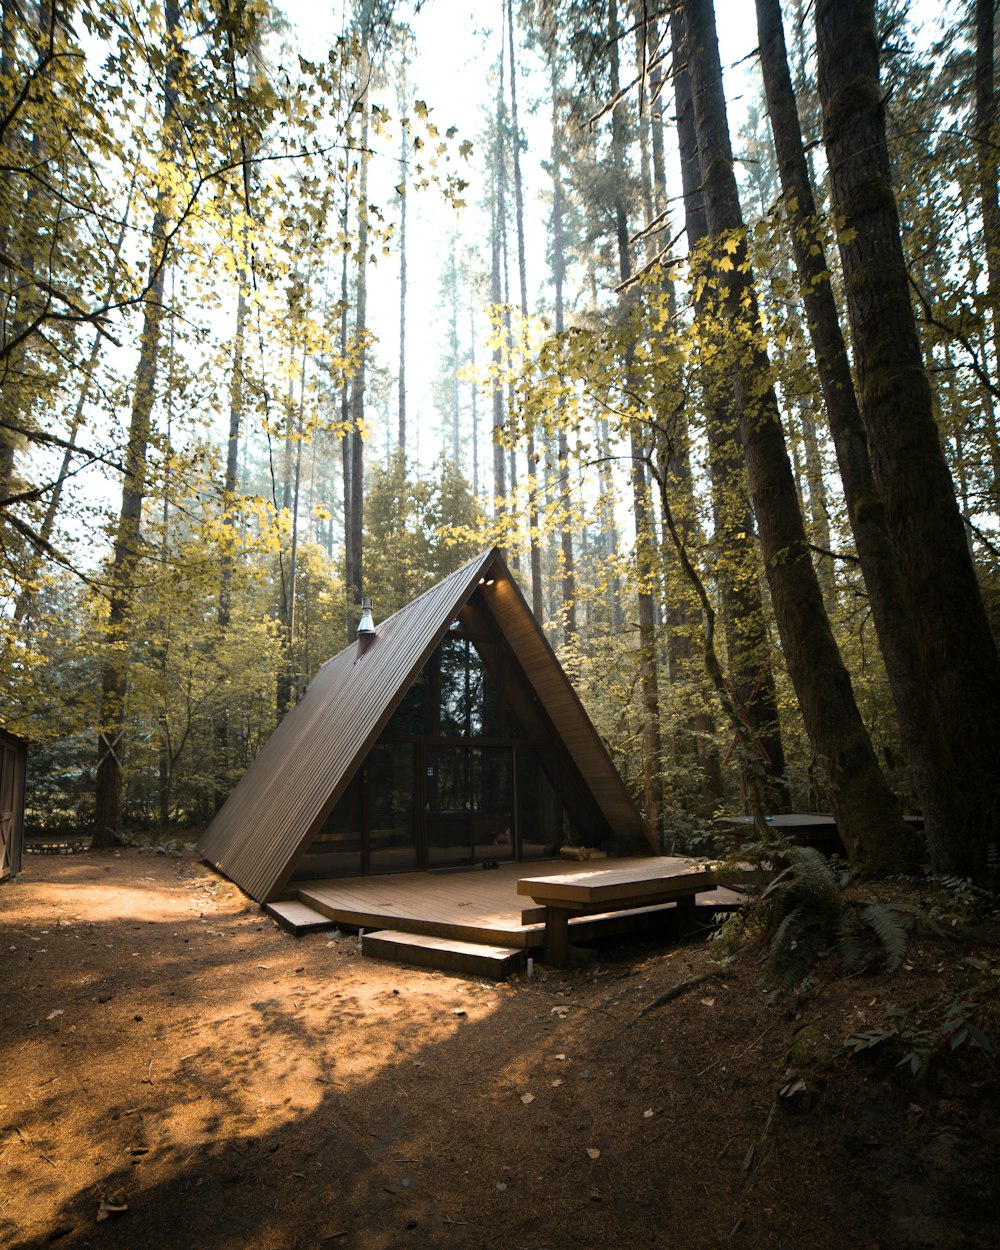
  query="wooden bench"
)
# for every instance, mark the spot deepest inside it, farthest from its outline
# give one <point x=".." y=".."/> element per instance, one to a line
<point x="595" y="891"/>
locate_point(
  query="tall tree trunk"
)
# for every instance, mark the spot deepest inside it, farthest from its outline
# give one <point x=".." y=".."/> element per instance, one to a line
<point x="986" y="155"/>
<point x="109" y="781"/>
<point x="498" y="229"/>
<point x="986" y="161"/>
<point x="864" y="503"/>
<point x="453" y="346"/>
<point x="866" y="811"/>
<point x="652" y="746"/>
<point x="960" y="669"/>
<point x="404" y="164"/>
<point x="748" y="646"/>
<point x="559" y="278"/>
<point x="534" y="536"/>
<point x="346" y="460"/>
<point x="229" y="489"/>
<point x="474" y="402"/>
<point x="354" y="522"/>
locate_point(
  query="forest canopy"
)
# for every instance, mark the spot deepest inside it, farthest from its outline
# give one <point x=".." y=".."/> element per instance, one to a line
<point x="693" y="311"/>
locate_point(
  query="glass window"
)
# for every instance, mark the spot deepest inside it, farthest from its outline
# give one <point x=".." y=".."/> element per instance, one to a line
<point x="537" y="807"/>
<point x="413" y="714"/>
<point x="336" y="850"/>
<point x="467" y="696"/>
<point x="391" y="778"/>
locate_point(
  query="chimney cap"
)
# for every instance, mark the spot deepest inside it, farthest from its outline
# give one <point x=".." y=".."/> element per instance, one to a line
<point x="367" y="623"/>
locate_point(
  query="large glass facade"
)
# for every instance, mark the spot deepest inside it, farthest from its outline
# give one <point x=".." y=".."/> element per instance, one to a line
<point x="458" y="777"/>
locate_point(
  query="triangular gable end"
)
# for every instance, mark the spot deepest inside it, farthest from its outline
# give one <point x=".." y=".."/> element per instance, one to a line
<point x="265" y="827"/>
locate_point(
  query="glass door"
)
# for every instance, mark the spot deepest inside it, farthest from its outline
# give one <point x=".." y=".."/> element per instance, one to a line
<point x="469" y="805"/>
<point x="448" y="807"/>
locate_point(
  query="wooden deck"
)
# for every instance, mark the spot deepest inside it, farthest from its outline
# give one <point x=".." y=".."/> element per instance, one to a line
<point x="477" y="905"/>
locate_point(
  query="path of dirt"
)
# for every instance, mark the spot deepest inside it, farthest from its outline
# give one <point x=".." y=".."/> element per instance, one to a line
<point x="167" y="1050"/>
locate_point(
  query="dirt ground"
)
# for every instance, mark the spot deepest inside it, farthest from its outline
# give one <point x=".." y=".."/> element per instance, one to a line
<point x="176" y="1071"/>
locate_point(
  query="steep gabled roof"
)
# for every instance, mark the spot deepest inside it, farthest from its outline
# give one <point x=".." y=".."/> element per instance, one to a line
<point x="282" y="800"/>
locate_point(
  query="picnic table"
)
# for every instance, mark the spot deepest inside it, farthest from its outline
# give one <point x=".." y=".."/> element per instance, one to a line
<point x="596" y="891"/>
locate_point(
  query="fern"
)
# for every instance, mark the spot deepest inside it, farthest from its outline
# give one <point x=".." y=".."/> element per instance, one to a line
<point x="892" y="927"/>
<point x="784" y="957"/>
<point x="807" y="880"/>
<point x="805" y="913"/>
<point x="850" y="941"/>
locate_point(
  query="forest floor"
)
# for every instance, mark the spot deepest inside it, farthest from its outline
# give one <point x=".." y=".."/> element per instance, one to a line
<point x="177" y="1071"/>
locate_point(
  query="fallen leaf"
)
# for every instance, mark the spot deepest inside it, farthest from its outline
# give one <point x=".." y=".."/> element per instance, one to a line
<point x="459" y="1011"/>
<point x="708" y="1002"/>
<point x="558" y="1056"/>
<point x="52" y="1014"/>
<point x="593" y="1152"/>
<point x="557" y="1081"/>
<point x="526" y="1098"/>
<point x="501" y="1185"/>
<point x="112" y="1204"/>
<point x="647" y="1115"/>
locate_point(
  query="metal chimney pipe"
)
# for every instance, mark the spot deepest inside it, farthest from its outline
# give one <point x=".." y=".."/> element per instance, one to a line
<point x="366" y="628"/>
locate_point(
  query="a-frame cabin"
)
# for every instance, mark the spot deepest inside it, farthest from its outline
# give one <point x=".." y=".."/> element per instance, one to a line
<point x="448" y="736"/>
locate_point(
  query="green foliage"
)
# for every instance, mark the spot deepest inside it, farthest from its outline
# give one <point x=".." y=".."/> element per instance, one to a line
<point x="806" y="915"/>
<point x="418" y="529"/>
<point x="921" y="1042"/>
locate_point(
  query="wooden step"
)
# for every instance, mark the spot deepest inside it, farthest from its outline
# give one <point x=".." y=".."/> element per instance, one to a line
<point x="446" y="954"/>
<point x="298" y="917"/>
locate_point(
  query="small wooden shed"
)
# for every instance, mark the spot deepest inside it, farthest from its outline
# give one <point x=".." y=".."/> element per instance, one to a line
<point x="13" y="764"/>
<point x="448" y="736"/>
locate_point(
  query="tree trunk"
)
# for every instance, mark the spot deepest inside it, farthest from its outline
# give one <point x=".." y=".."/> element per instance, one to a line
<point x="474" y="401"/>
<point x="498" y="225"/>
<point x="534" y="536"/>
<point x="748" y="646"/>
<point x="652" y="746"/>
<point x="109" y="781"/>
<point x="960" y="668"/>
<point x="355" y="579"/>
<point x="404" y="162"/>
<point x="986" y="160"/>
<point x="345" y="424"/>
<point x="568" y="613"/>
<point x="864" y="504"/>
<point x="866" y="811"/>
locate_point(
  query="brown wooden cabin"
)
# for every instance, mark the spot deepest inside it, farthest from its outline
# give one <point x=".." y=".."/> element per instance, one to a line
<point x="447" y="737"/>
<point x="13" y="763"/>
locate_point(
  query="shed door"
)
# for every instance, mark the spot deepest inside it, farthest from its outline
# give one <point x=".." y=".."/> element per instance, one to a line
<point x="8" y="816"/>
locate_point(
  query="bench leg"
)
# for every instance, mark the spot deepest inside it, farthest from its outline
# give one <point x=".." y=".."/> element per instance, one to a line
<point x="556" y="936"/>
<point x="686" y="914"/>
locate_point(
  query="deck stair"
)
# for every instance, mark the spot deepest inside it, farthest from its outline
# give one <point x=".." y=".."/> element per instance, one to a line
<point x="445" y="954"/>
<point x="298" y="917"/>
